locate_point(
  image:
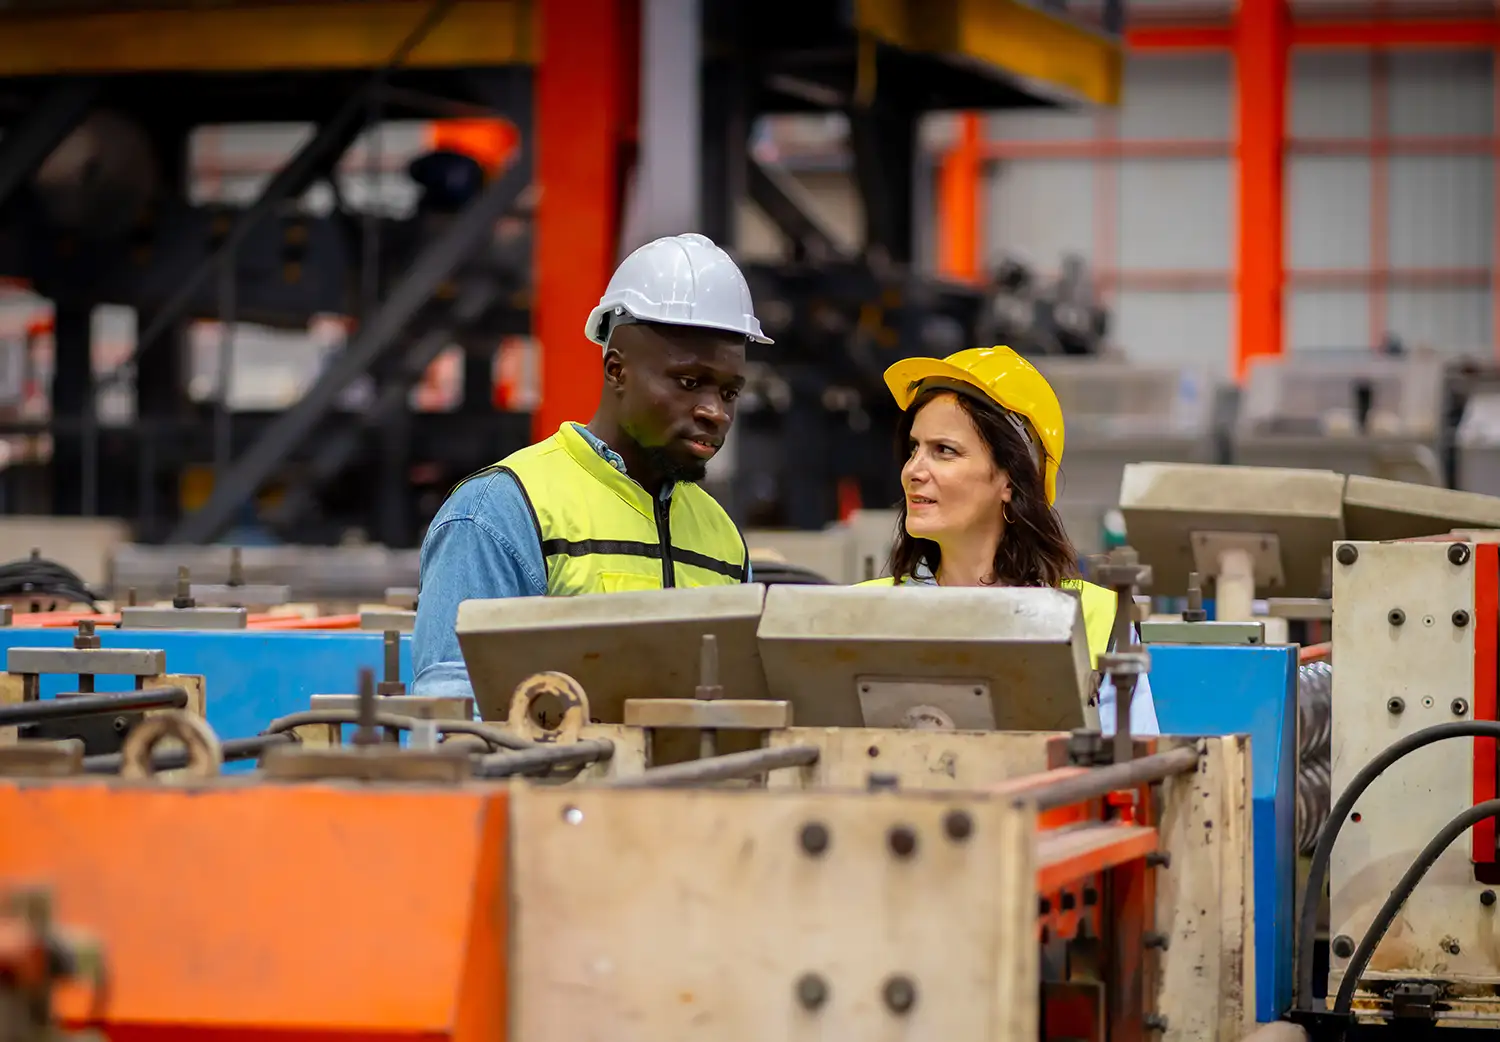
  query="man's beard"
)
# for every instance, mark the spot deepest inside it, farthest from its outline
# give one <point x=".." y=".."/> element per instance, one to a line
<point x="675" y="468"/>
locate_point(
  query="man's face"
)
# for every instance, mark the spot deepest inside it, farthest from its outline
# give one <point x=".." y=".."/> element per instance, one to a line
<point x="677" y="388"/>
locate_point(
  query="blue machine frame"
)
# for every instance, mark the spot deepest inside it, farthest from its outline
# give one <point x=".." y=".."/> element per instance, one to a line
<point x="1218" y="690"/>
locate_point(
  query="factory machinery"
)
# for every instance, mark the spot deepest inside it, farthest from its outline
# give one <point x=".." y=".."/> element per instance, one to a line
<point x="786" y="811"/>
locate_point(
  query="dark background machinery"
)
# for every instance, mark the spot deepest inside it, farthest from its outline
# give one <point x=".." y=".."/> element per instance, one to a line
<point x="94" y="209"/>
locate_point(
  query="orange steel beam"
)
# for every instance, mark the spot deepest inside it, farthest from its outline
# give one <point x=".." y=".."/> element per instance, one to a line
<point x="1068" y="854"/>
<point x="586" y="100"/>
<point x="393" y="907"/>
<point x="1262" y="41"/>
<point x="959" y="203"/>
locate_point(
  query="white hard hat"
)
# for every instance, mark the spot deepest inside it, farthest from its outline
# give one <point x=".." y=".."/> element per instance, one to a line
<point x="680" y="280"/>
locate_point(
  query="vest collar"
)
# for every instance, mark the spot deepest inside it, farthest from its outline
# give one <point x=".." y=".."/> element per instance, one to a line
<point x="570" y="435"/>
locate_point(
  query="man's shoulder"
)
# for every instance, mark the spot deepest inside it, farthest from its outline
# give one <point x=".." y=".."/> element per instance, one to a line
<point x="484" y="495"/>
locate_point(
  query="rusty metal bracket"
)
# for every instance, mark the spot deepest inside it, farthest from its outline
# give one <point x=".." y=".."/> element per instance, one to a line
<point x="205" y="756"/>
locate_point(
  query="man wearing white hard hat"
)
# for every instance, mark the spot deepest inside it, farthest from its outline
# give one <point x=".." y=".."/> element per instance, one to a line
<point x="614" y="504"/>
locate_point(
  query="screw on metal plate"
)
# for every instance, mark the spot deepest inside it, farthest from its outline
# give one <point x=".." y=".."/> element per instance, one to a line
<point x="184" y="596"/>
<point x="1085" y="747"/>
<point x="86" y="638"/>
<point x="900" y="993"/>
<point x="1152" y="939"/>
<point x="1347" y="554"/>
<point x="812" y="991"/>
<point x="814" y="838"/>
<point x="1460" y="706"/>
<point x="958" y="825"/>
<point x="902" y="840"/>
<point x="1342" y="946"/>
<point x="1044" y="906"/>
<point x="1395" y="704"/>
<point x="1068" y="902"/>
<point x="366" y="733"/>
<point x="1487" y="898"/>
<point x="1458" y="553"/>
<point x="1194" y="611"/>
<point x="1395" y="616"/>
<point x="1090" y="896"/>
<point x="1460" y="618"/>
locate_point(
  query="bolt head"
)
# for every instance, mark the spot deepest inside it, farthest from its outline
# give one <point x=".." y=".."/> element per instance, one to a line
<point x="1395" y="705"/>
<point x="812" y="991"/>
<point x="814" y="838"/>
<point x="1460" y="706"/>
<point x="958" y="825"/>
<point x="1487" y="898"/>
<point x="902" y="840"/>
<point x="900" y="994"/>
<point x="1458" y="553"/>
<point x="1342" y="946"/>
<point x="1347" y="554"/>
<point x="1460" y="618"/>
<point x="1395" y="616"/>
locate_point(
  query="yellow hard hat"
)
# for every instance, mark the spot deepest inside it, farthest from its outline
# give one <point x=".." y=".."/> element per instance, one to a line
<point x="1003" y="377"/>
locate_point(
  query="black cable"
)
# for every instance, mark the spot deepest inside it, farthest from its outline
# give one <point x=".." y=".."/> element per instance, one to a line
<point x="494" y="736"/>
<point x="1317" y="873"/>
<point x="1383" y="919"/>
<point x="780" y="573"/>
<point x="41" y="579"/>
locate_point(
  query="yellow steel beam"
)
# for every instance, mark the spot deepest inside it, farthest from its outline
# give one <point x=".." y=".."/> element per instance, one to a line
<point x="260" y="36"/>
<point x="1010" y="35"/>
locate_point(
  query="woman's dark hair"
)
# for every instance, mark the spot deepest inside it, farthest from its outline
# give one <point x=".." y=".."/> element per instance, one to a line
<point x="1035" y="550"/>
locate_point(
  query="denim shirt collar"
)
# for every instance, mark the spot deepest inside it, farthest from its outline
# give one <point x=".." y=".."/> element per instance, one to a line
<point x="614" y="459"/>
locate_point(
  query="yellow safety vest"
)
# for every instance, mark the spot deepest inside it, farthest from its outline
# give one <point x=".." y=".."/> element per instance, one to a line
<point x="601" y="532"/>
<point x="1098" y="612"/>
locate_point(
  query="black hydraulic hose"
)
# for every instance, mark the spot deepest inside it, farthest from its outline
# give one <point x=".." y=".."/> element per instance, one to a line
<point x="1307" y="926"/>
<point x="232" y="749"/>
<point x="21" y="714"/>
<point x="1387" y="914"/>
<point x="506" y="764"/>
<point x="493" y="735"/>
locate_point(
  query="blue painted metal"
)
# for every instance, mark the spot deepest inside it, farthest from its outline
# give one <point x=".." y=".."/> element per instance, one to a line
<point x="250" y="677"/>
<point x="1212" y="690"/>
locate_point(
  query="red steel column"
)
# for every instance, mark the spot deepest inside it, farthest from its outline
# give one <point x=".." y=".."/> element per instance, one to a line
<point x="1261" y="44"/>
<point x="959" y="208"/>
<point x="586" y="103"/>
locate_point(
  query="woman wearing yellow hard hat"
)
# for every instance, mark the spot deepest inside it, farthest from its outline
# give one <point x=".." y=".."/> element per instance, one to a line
<point x="982" y="434"/>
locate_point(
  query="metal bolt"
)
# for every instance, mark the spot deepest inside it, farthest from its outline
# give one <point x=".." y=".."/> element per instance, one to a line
<point x="130" y="597"/>
<point x="184" y="595"/>
<point x="1460" y="618"/>
<point x="1395" y="616"/>
<point x="1347" y="554"/>
<point x="1395" y="705"/>
<point x="1487" y="898"/>
<point x="902" y="840"/>
<point x="236" y="567"/>
<point x="814" y="838"/>
<point x="1156" y="1022"/>
<point x="1090" y="896"/>
<point x="1152" y="939"/>
<point x="366" y="733"/>
<point x="1069" y="902"/>
<point x="1044" y="906"/>
<point x="900" y="993"/>
<point x="1460" y="706"/>
<point x="1194" y="611"/>
<point x="1343" y="946"/>
<point x="1159" y="859"/>
<point x="86" y="638"/>
<point x="1458" y="553"/>
<point x="958" y="825"/>
<point x="1450" y="946"/>
<point x="812" y="991"/>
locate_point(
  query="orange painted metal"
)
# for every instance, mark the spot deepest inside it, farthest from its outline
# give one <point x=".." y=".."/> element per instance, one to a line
<point x="586" y="101"/>
<point x="282" y="912"/>
<point x="959" y="203"/>
<point x="1070" y="854"/>
<point x="1262" y="41"/>
<point x="318" y="622"/>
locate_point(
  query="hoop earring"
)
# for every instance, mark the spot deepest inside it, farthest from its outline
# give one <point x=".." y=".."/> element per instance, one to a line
<point x="1005" y="514"/>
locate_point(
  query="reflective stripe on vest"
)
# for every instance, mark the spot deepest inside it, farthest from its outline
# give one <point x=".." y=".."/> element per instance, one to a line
<point x="603" y="533"/>
<point x="1098" y="612"/>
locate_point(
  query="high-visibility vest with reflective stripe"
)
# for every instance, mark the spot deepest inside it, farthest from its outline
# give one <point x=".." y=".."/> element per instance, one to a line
<point x="601" y="532"/>
<point x="1098" y="606"/>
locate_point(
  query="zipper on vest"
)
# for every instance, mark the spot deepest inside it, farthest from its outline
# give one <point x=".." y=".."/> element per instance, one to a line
<point x="664" y="533"/>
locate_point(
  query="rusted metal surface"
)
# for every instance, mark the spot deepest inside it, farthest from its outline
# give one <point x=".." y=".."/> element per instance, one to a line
<point x="204" y="756"/>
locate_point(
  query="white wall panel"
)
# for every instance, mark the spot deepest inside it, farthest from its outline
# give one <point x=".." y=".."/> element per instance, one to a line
<point x="1440" y="93"/>
<point x="1328" y="212"/>
<point x="1175" y="328"/>
<point x="1329" y="95"/>
<point x="1184" y="97"/>
<point x="1175" y="213"/>
<point x="1039" y="209"/>
<point x="1441" y="211"/>
<point x="1040" y="126"/>
<point x="1326" y="320"/>
<point x="1454" y="321"/>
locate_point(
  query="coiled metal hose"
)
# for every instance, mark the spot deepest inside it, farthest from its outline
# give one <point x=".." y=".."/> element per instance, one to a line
<point x="1314" y="750"/>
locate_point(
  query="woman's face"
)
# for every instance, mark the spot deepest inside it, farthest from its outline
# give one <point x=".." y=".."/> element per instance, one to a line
<point x="952" y="485"/>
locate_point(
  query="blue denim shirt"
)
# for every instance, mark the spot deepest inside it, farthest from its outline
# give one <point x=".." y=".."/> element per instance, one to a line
<point x="1142" y="708"/>
<point x="482" y="544"/>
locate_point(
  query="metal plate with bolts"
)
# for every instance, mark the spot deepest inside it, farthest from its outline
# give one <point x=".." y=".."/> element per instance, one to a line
<point x="183" y="618"/>
<point x="223" y="596"/>
<point x="1165" y="632"/>
<point x="385" y="621"/>
<point x="1264" y="550"/>
<point x="128" y="662"/>
<point x="941" y="705"/>
<point x="1165" y="503"/>
<point x="1025" y="646"/>
<point x="618" y="646"/>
